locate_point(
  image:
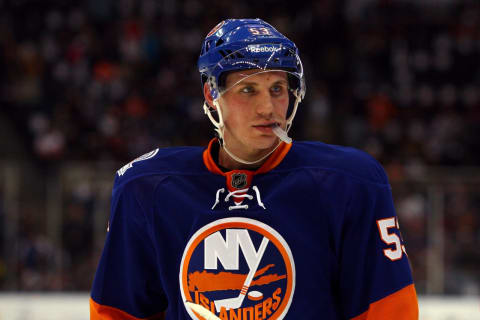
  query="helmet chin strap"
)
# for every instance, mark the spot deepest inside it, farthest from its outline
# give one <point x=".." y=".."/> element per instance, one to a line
<point x="234" y="157"/>
<point x="220" y="128"/>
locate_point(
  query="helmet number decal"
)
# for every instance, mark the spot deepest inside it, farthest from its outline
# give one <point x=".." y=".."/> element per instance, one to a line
<point x="260" y="31"/>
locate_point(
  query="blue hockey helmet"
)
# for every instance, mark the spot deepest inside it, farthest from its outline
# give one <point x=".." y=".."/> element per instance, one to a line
<point x="242" y="44"/>
<point x="239" y="44"/>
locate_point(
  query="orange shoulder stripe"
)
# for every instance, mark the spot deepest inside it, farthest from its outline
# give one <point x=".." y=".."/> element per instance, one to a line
<point x="101" y="312"/>
<point x="400" y="305"/>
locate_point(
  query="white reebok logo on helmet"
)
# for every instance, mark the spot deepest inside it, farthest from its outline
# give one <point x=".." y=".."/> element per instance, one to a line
<point x="256" y="49"/>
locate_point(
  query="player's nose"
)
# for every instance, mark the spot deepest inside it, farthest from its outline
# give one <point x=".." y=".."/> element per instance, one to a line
<point x="264" y="105"/>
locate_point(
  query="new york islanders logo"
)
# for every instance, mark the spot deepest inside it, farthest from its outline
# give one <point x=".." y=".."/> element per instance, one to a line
<point x="238" y="268"/>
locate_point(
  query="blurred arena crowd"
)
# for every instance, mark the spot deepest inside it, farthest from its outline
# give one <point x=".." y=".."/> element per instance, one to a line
<point x="110" y="80"/>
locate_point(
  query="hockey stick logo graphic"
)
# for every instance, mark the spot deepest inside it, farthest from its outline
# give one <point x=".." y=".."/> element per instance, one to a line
<point x="234" y="303"/>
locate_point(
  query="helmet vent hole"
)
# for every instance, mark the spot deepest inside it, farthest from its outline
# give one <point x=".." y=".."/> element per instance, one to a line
<point x="219" y="42"/>
<point x="207" y="45"/>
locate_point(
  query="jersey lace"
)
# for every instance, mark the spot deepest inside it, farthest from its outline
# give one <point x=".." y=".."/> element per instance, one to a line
<point x="240" y="193"/>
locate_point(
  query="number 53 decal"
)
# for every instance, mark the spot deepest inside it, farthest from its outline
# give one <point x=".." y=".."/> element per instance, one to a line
<point x="260" y="31"/>
<point x="391" y="238"/>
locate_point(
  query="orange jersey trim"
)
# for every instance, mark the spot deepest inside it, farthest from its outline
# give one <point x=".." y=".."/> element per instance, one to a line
<point x="275" y="159"/>
<point x="101" y="312"/>
<point x="272" y="161"/>
<point x="400" y="305"/>
<point x="208" y="160"/>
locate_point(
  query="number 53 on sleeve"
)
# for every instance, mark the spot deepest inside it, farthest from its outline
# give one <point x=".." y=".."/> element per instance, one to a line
<point x="387" y="227"/>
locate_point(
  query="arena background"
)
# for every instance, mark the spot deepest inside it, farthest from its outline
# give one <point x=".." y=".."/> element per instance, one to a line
<point x="86" y="86"/>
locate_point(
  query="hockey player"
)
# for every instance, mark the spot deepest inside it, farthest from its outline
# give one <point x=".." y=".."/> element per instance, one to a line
<point x="255" y="226"/>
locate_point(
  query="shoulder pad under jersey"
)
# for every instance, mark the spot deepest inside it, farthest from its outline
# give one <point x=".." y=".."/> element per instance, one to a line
<point x="165" y="161"/>
<point x="347" y="160"/>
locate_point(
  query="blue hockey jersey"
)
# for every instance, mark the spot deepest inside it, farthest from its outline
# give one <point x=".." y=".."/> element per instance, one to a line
<point x="311" y="234"/>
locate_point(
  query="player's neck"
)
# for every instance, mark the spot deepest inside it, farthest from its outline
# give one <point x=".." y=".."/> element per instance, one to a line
<point x="225" y="161"/>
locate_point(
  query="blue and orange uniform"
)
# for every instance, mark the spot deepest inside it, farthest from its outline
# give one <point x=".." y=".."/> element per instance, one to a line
<point x="311" y="234"/>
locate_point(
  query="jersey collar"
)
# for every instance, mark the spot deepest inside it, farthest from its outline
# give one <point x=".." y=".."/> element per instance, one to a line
<point x="272" y="161"/>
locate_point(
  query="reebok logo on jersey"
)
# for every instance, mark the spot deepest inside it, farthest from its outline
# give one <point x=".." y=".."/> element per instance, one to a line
<point x="238" y="268"/>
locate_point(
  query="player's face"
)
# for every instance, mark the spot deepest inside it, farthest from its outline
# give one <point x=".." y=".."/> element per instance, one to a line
<point x="252" y="105"/>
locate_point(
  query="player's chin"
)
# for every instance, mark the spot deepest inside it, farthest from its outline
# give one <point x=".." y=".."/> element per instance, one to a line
<point x="264" y="142"/>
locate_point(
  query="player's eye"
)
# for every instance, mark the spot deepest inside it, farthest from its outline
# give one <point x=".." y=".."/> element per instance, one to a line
<point x="247" y="89"/>
<point x="277" y="90"/>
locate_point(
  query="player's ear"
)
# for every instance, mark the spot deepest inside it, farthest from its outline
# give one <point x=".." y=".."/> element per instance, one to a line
<point x="208" y="95"/>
